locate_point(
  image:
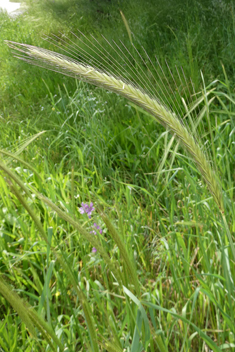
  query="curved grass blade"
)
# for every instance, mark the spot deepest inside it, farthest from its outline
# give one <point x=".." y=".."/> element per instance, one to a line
<point x="166" y="117"/>
<point x="206" y="338"/>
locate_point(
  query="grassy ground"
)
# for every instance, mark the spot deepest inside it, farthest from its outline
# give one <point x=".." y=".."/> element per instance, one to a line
<point x="98" y="148"/>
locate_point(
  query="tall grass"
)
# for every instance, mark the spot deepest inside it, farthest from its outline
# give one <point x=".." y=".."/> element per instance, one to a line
<point x="167" y="118"/>
<point x="163" y="275"/>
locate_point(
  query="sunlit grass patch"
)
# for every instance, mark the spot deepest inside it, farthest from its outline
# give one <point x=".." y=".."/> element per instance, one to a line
<point x="160" y="276"/>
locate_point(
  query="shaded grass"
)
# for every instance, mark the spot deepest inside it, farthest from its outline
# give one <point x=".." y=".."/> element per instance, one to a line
<point x="155" y="199"/>
<point x="194" y="36"/>
<point x="175" y="235"/>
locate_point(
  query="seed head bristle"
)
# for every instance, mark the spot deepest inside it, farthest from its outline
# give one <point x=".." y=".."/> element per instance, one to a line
<point x="152" y="104"/>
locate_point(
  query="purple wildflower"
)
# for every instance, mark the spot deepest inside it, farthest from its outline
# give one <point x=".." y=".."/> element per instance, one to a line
<point x="94" y="250"/>
<point x="88" y="209"/>
<point x="98" y="228"/>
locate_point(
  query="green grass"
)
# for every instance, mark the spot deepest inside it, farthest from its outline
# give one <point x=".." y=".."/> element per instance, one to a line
<point x="97" y="147"/>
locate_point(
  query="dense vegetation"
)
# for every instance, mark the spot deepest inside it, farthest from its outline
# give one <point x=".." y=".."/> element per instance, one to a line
<point x="150" y="266"/>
